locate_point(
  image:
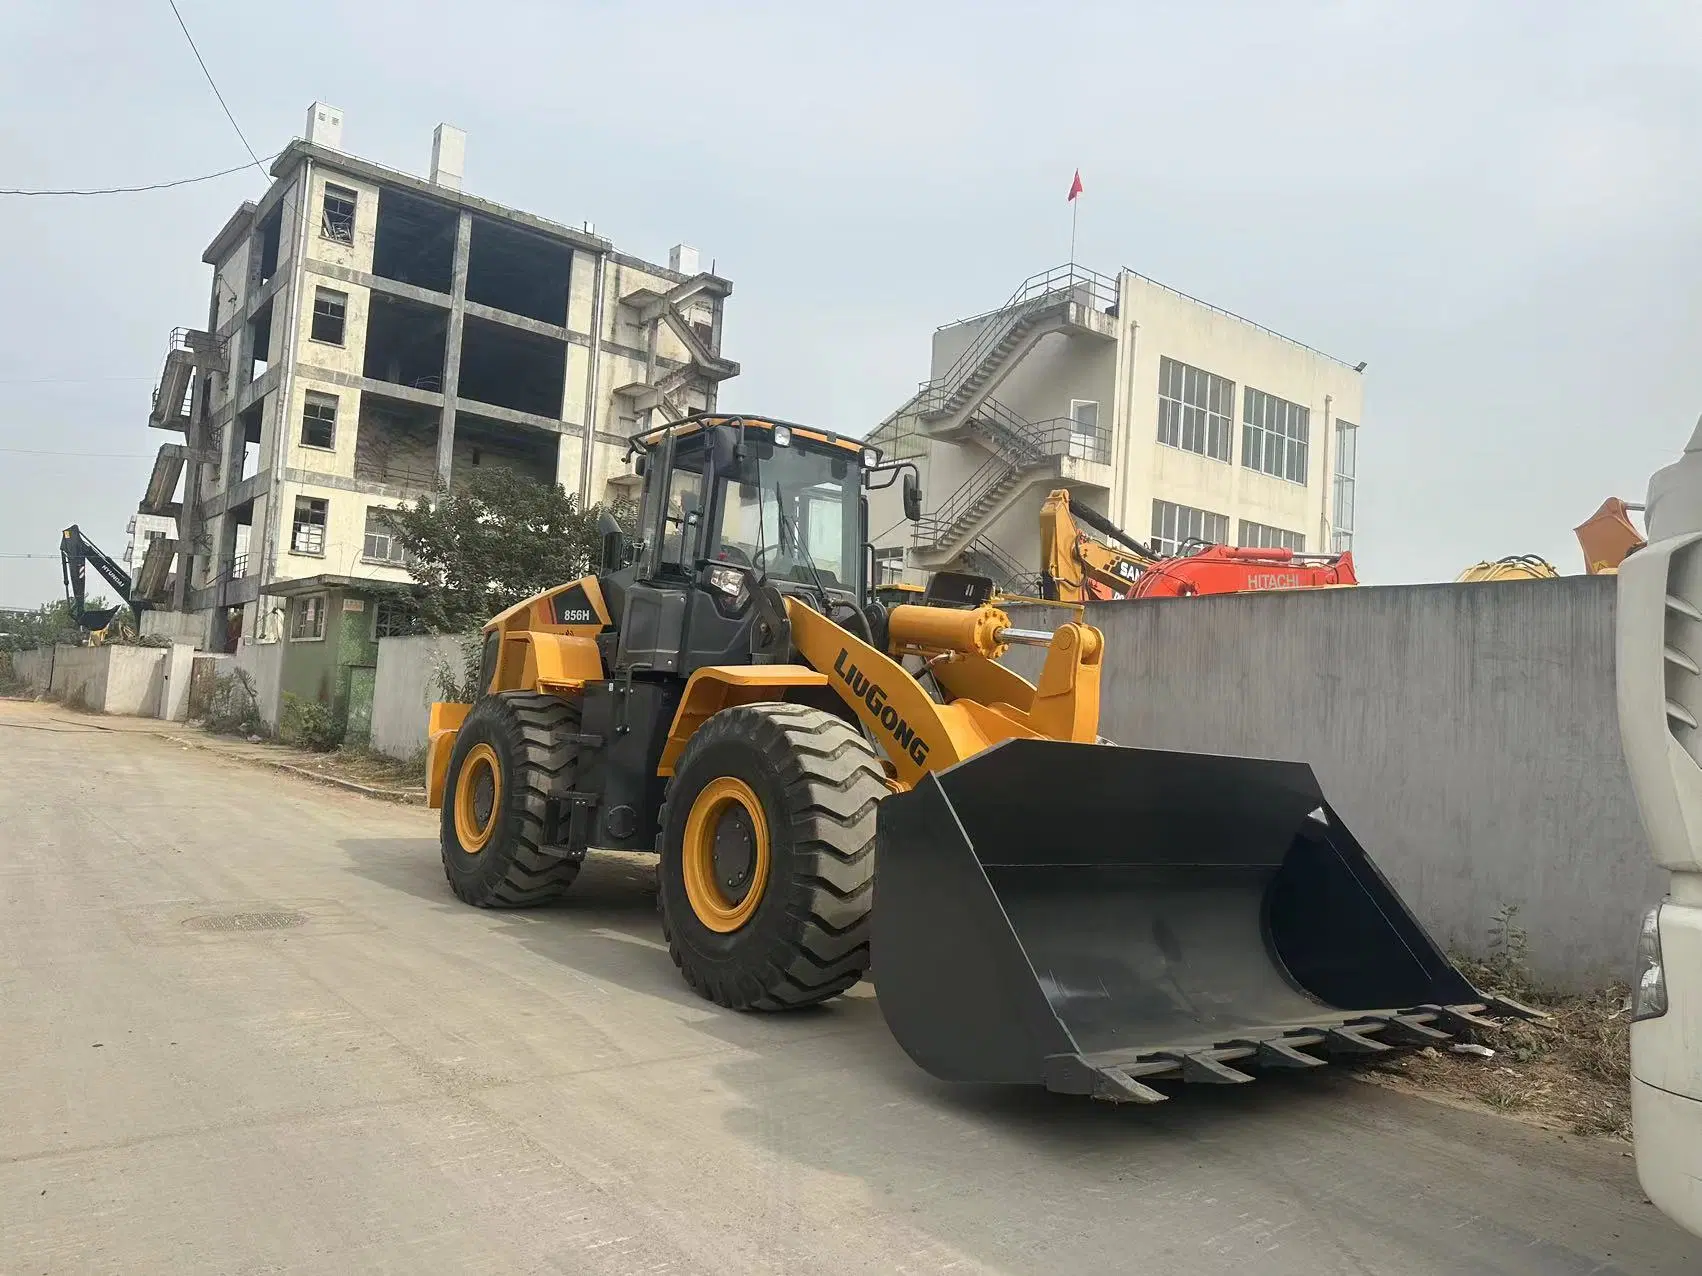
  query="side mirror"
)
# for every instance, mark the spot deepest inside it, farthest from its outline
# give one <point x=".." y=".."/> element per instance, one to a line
<point x="912" y="496"/>
<point x="641" y="464"/>
<point x="724" y="449"/>
<point x="614" y="550"/>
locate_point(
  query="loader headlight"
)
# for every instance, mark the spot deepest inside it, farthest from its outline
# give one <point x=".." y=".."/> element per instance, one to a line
<point x="871" y="458"/>
<point x="1649" y="988"/>
<point x="727" y="580"/>
<point x="782" y="436"/>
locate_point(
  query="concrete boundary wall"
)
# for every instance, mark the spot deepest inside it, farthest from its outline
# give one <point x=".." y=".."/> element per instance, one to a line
<point x="404" y="688"/>
<point x="129" y="680"/>
<point x="263" y="662"/>
<point x="1466" y="734"/>
<point x="34" y="668"/>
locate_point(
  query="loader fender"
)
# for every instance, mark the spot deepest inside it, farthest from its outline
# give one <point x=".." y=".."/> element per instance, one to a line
<point x="446" y="719"/>
<point x="717" y="687"/>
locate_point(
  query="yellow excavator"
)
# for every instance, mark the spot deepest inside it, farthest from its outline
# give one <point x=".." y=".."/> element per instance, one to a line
<point x="1607" y="537"/>
<point x="1042" y="907"/>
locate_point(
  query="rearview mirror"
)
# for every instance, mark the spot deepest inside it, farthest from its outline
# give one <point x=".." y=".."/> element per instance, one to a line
<point x="614" y="550"/>
<point x="724" y="449"/>
<point x="912" y="496"/>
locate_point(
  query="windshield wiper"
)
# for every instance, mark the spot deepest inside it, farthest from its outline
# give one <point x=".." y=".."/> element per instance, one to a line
<point x="786" y="525"/>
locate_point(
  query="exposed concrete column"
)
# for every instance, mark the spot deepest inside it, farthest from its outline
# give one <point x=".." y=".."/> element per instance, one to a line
<point x="452" y="349"/>
<point x="592" y="414"/>
<point x="189" y="516"/>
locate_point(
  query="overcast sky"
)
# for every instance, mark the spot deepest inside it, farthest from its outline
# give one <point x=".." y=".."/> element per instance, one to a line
<point x="1495" y="205"/>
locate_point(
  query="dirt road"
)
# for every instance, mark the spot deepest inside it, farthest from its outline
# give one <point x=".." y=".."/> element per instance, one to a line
<point x="244" y="1028"/>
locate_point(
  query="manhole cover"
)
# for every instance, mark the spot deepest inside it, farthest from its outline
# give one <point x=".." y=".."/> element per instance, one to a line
<point x="246" y="921"/>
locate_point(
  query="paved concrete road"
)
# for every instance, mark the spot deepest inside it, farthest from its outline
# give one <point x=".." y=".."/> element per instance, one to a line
<point x="397" y="1083"/>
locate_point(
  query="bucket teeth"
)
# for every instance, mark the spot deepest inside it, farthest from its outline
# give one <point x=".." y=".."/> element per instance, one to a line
<point x="1510" y="1008"/>
<point x="1409" y="1030"/>
<point x="1351" y="1040"/>
<point x="1459" y="1018"/>
<point x="1116" y="1086"/>
<point x="1201" y="1067"/>
<point x="1277" y="1054"/>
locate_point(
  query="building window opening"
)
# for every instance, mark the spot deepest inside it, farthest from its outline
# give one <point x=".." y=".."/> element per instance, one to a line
<point x="395" y="618"/>
<point x="259" y="339"/>
<point x="307" y="532"/>
<point x="307" y="619"/>
<point x="271" y="235"/>
<point x="1274" y="435"/>
<point x="337" y="218"/>
<point x="380" y="544"/>
<point x="1178" y="529"/>
<point x="1347" y="457"/>
<point x="516" y="271"/>
<point x="1260" y="536"/>
<point x="414" y="241"/>
<point x="1195" y="409"/>
<point x="511" y="368"/>
<point x="1087" y="441"/>
<point x="405" y="341"/>
<point x="329" y="311"/>
<point x="319" y="420"/>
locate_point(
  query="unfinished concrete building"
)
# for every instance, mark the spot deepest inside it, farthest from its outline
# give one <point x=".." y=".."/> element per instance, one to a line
<point x="373" y="336"/>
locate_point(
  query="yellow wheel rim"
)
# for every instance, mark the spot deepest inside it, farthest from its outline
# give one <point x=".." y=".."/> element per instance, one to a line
<point x="478" y="798"/>
<point x="725" y="854"/>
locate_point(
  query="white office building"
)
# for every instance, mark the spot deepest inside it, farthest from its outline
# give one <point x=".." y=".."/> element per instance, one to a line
<point x="1178" y="420"/>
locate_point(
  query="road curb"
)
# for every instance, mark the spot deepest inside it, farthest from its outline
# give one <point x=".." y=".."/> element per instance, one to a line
<point x="404" y="797"/>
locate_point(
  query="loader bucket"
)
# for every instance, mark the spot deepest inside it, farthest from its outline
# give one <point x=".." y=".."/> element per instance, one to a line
<point x="1088" y="918"/>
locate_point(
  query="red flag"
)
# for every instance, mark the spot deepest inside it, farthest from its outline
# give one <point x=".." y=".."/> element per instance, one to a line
<point x="1075" y="188"/>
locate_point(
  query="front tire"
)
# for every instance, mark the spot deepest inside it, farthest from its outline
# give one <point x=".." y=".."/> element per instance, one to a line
<point x="508" y="754"/>
<point x="767" y="864"/>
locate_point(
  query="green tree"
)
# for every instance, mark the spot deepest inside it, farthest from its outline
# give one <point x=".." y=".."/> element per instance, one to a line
<point x="48" y="624"/>
<point x="497" y="538"/>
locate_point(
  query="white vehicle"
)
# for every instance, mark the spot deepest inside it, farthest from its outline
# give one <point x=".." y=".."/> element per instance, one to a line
<point x="1660" y="707"/>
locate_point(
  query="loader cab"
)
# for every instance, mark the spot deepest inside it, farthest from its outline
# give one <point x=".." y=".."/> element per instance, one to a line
<point x="732" y="505"/>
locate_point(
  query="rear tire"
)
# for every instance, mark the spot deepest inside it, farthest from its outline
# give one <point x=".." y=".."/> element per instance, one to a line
<point x="508" y="755"/>
<point x="818" y="784"/>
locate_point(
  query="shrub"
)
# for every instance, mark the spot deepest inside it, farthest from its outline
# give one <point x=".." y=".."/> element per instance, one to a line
<point x="458" y="680"/>
<point x="234" y="706"/>
<point x="309" y="724"/>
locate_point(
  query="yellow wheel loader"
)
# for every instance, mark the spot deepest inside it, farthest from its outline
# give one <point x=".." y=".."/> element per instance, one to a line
<point x="828" y="779"/>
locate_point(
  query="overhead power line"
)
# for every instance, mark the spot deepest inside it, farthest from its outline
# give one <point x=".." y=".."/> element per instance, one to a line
<point x="67" y="380"/>
<point x="25" y="451"/>
<point x="131" y="190"/>
<point x="215" y="88"/>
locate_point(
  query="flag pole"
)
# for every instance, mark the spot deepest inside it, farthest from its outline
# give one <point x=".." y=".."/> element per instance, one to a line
<point x="1075" y="211"/>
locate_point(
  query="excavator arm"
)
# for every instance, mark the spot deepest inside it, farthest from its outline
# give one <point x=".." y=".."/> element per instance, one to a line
<point x="1076" y="568"/>
<point x="76" y="553"/>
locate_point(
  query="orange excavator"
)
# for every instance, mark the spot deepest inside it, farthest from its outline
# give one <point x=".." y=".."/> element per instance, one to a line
<point x="1074" y="567"/>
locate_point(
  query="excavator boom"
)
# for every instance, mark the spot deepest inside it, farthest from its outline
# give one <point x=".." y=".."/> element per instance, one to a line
<point x="1077" y="568"/>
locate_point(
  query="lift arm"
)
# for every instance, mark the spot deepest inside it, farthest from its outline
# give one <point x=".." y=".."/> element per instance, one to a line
<point x="76" y="551"/>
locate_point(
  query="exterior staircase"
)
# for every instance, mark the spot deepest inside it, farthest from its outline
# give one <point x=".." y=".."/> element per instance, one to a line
<point x="705" y="368"/>
<point x="958" y="405"/>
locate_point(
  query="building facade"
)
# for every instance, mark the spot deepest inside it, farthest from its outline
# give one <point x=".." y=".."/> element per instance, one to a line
<point x="142" y="531"/>
<point x="1178" y="420"/>
<point x="373" y="336"/>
